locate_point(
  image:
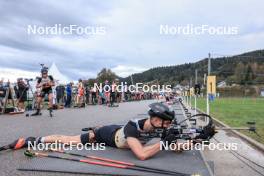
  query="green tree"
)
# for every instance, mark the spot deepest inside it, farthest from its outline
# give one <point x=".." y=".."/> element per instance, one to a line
<point x="249" y="75"/>
<point x="240" y="69"/>
<point x="90" y="82"/>
<point x="106" y="74"/>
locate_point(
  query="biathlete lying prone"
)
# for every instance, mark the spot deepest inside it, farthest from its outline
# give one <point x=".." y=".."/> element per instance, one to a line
<point x="132" y="135"/>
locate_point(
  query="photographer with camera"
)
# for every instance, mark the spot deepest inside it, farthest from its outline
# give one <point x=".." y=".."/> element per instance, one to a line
<point x="45" y="84"/>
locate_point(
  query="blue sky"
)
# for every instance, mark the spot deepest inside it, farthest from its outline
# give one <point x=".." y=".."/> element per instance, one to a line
<point x="132" y="42"/>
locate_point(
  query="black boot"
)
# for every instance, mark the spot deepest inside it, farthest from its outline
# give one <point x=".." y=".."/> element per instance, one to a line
<point x="19" y="143"/>
<point x="36" y="113"/>
<point x="50" y="112"/>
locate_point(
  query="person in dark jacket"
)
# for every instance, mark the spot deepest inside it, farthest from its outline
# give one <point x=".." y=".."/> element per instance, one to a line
<point x="21" y="93"/>
<point x="60" y="93"/>
<point x="87" y="95"/>
<point x="68" y="95"/>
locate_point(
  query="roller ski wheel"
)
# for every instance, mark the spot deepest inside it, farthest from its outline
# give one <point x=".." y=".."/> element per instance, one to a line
<point x="28" y="115"/>
<point x="113" y="106"/>
<point x="37" y="113"/>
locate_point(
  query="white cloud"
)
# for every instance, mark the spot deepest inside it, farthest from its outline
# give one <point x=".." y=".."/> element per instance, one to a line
<point x="12" y="74"/>
<point x="132" y="42"/>
<point x="124" y="71"/>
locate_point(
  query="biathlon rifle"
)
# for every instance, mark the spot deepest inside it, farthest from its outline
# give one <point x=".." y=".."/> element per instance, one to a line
<point x="200" y="128"/>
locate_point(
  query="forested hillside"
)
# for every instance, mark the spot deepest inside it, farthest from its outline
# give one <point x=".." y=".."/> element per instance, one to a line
<point x="247" y="68"/>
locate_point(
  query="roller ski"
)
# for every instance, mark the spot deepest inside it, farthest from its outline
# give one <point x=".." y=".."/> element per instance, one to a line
<point x="113" y="105"/>
<point x="37" y="113"/>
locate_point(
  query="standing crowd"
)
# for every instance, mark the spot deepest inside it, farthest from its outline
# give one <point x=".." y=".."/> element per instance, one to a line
<point x="60" y="96"/>
<point x="80" y="95"/>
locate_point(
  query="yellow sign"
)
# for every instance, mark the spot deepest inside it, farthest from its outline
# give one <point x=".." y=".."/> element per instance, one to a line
<point x="192" y="91"/>
<point x="211" y="84"/>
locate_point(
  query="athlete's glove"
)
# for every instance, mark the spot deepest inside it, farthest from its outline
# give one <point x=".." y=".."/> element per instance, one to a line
<point x="170" y="139"/>
<point x="169" y="136"/>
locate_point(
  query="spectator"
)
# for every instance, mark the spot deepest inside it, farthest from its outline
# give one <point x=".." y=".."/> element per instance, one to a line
<point x="68" y="95"/>
<point x="93" y="95"/>
<point x="80" y="94"/>
<point x="2" y="93"/>
<point x="87" y="95"/>
<point x="106" y="92"/>
<point x="21" y="93"/>
<point x="60" y="94"/>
